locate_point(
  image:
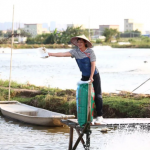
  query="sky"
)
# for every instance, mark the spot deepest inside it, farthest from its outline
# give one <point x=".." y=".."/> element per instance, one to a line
<point x="91" y="13"/>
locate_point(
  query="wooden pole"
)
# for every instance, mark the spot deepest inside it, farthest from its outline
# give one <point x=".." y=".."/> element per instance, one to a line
<point x="89" y="102"/>
<point x="12" y="39"/>
<point x="89" y="29"/>
<point x="70" y="139"/>
<point x="140" y="85"/>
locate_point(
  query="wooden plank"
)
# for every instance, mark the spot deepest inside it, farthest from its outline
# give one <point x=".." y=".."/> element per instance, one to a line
<point x="89" y="102"/>
<point x="70" y="139"/>
<point x="119" y="121"/>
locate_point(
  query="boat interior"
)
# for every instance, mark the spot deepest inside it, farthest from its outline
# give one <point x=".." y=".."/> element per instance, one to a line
<point x="16" y="107"/>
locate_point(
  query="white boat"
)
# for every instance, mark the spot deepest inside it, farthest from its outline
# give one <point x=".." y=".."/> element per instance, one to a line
<point x="32" y="115"/>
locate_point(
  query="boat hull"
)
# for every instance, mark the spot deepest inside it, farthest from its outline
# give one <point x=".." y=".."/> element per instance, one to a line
<point x="33" y="115"/>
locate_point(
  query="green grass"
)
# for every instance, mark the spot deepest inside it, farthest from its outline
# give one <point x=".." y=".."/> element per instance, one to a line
<point x="130" y="106"/>
<point x="14" y="84"/>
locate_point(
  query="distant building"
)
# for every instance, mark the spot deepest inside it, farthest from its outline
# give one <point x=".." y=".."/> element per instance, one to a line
<point x="130" y="25"/>
<point x="103" y="27"/>
<point x="35" y="29"/>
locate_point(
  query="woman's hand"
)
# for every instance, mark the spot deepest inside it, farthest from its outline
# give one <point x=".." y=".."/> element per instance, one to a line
<point x="91" y="79"/>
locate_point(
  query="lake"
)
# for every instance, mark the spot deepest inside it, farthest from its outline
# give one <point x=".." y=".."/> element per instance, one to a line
<point x="120" y="69"/>
<point x="15" y="135"/>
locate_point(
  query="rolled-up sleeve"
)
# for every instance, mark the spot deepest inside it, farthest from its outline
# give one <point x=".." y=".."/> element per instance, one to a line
<point x="92" y="56"/>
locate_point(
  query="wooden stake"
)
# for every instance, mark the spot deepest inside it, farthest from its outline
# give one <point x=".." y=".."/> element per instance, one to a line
<point x="71" y="139"/>
<point x="89" y="102"/>
<point x="12" y="39"/>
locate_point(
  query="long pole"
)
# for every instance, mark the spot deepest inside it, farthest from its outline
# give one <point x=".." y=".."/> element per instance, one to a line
<point x="89" y="28"/>
<point x="12" y="39"/>
<point x="140" y="85"/>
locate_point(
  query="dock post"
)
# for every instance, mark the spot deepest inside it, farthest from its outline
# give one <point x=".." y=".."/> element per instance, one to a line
<point x="89" y="102"/>
<point x="88" y="131"/>
<point x="71" y="138"/>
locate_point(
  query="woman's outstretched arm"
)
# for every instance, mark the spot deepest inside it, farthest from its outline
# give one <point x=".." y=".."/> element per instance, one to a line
<point x="64" y="54"/>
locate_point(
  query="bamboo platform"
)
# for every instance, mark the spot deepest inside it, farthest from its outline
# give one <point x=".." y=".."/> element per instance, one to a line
<point x="114" y="121"/>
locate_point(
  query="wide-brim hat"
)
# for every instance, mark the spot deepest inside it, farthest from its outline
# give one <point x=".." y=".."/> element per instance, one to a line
<point x="74" y="40"/>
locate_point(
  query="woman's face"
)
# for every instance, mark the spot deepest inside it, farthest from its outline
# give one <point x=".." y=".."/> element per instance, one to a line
<point x="81" y="44"/>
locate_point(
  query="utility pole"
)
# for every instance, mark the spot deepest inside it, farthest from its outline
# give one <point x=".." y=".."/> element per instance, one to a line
<point x="12" y="40"/>
<point x="89" y="28"/>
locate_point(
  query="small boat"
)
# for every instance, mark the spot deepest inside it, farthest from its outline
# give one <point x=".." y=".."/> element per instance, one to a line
<point x="32" y="115"/>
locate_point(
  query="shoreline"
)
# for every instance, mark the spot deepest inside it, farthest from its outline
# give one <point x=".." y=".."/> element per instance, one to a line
<point x="30" y="46"/>
<point x="115" y="105"/>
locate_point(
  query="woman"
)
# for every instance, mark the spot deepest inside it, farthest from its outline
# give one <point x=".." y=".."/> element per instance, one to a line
<point x="86" y="61"/>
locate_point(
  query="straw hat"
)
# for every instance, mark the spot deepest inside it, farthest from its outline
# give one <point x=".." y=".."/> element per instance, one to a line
<point x="74" y="40"/>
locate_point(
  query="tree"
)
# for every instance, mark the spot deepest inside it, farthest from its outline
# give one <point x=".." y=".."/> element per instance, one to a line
<point x="53" y="38"/>
<point x="109" y="34"/>
<point x="25" y="34"/>
<point x="1" y="33"/>
<point x="71" y="32"/>
<point x="64" y="36"/>
<point x="131" y="34"/>
<point x="58" y="37"/>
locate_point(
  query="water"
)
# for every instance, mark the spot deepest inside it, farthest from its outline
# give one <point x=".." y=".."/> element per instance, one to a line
<point x="20" y="136"/>
<point x="120" y="69"/>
